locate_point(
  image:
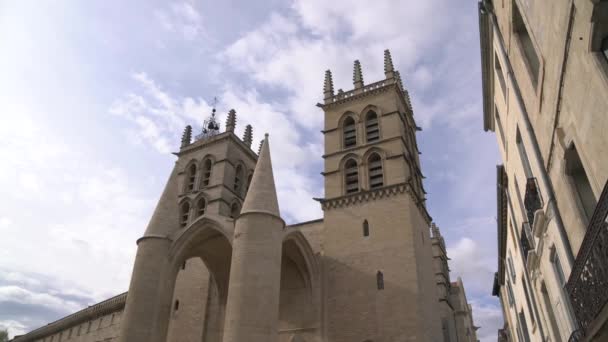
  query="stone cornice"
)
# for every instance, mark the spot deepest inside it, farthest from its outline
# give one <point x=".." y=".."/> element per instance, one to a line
<point x="197" y="145"/>
<point x="487" y="72"/>
<point x="368" y="195"/>
<point x="106" y="307"/>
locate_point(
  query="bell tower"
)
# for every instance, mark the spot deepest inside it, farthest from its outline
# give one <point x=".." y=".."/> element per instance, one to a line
<point x="376" y="237"/>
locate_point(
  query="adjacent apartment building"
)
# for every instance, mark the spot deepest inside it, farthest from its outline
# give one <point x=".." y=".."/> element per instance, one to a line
<point x="545" y="96"/>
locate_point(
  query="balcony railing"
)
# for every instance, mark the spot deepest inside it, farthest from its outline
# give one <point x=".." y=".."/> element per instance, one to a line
<point x="532" y="199"/>
<point x="588" y="283"/>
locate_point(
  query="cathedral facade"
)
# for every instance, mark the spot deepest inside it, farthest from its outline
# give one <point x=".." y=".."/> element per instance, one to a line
<point x="218" y="263"/>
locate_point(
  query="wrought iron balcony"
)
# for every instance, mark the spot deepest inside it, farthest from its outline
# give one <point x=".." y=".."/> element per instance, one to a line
<point x="589" y="277"/>
<point x="532" y="199"/>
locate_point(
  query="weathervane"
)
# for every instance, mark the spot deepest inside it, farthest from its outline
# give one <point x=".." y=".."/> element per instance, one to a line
<point x="210" y="126"/>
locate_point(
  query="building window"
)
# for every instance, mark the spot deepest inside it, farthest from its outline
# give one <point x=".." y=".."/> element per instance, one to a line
<point x="184" y="265"/>
<point x="380" y="280"/>
<point x="176" y="305"/>
<point x="207" y="172"/>
<point x="200" y="207"/>
<point x="185" y="212"/>
<point x="248" y="182"/>
<point x="511" y="268"/>
<point x="191" y="177"/>
<point x="234" y="210"/>
<point x="528" y="300"/>
<point x="238" y="179"/>
<point x="375" y="171"/>
<point x="550" y="313"/>
<point x="365" y="228"/>
<point x="525" y="41"/>
<point x="524" y="326"/>
<point x="501" y="132"/>
<point x="372" y="132"/>
<point x="557" y="267"/>
<point x="523" y="155"/>
<point x="582" y="187"/>
<point x="510" y="294"/>
<point x="351" y="176"/>
<point x="501" y="76"/>
<point x="350" y="132"/>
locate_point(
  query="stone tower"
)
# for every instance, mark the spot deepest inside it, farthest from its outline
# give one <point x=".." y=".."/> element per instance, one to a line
<point x="377" y="248"/>
<point x="194" y="219"/>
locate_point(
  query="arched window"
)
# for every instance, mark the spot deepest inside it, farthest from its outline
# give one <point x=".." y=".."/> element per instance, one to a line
<point x="380" y="280"/>
<point x="176" y="305"/>
<point x="376" y="178"/>
<point x="206" y="172"/>
<point x="372" y="132"/>
<point x="238" y="179"/>
<point x="185" y="212"/>
<point x="365" y="228"/>
<point x="191" y="177"/>
<point x="350" y="132"/>
<point x="351" y="176"/>
<point x="248" y="182"/>
<point x="234" y="210"/>
<point x="201" y="205"/>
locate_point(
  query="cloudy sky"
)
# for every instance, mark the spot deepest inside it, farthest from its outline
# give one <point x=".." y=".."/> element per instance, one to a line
<point x="94" y="96"/>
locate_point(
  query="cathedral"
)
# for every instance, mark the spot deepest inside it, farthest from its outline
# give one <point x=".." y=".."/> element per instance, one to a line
<point x="217" y="261"/>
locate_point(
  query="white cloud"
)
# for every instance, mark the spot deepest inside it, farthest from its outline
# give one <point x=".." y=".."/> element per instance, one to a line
<point x="14" y="327"/>
<point x="181" y="18"/>
<point x="23" y="296"/>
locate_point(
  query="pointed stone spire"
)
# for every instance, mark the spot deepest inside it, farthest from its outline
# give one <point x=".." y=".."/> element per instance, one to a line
<point x="248" y="136"/>
<point x="357" y="75"/>
<point x="187" y="136"/>
<point x="328" y="86"/>
<point x="389" y="70"/>
<point x="262" y="194"/>
<point x="231" y="121"/>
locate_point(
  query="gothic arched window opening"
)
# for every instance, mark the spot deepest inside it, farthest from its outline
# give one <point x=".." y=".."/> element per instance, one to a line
<point x="234" y="210"/>
<point x="365" y="228"/>
<point x="176" y="305"/>
<point x="351" y="176"/>
<point x="248" y="182"/>
<point x="185" y="212"/>
<point x="380" y="280"/>
<point x="238" y="179"/>
<point x="350" y="132"/>
<point x="200" y="207"/>
<point x="376" y="177"/>
<point x="372" y="131"/>
<point x="191" y="177"/>
<point x="206" y="172"/>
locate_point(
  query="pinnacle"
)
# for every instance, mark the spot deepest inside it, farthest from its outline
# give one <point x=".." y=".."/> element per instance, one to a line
<point x="328" y="86"/>
<point x="357" y="75"/>
<point x="262" y="195"/>
<point x="388" y="63"/>
<point x="187" y="136"/>
<point x="231" y="121"/>
<point x="248" y="135"/>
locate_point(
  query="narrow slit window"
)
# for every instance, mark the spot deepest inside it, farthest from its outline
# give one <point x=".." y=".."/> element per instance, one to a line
<point x="248" y="182"/>
<point x="238" y="179"/>
<point x="206" y="172"/>
<point x="376" y="177"/>
<point x="350" y="133"/>
<point x="201" y="206"/>
<point x="605" y="48"/>
<point x="578" y="176"/>
<point x="365" y="228"/>
<point x="372" y="131"/>
<point x="380" y="280"/>
<point x="176" y="305"/>
<point x="185" y="212"/>
<point x="191" y="177"/>
<point x="351" y="175"/>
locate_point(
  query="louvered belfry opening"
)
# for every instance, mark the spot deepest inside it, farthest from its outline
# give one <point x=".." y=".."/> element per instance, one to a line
<point x="350" y="133"/>
<point x="376" y="179"/>
<point x="351" y="174"/>
<point x="372" y="131"/>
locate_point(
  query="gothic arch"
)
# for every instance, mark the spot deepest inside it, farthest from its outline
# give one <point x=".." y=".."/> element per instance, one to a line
<point x="306" y="251"/>
<point x="347" y="114"/>
<point x="185" y="215"/>
<point x="203" y="170"/>
<point x="366" y="109"/>
<point x="187" y="176"/>
<point x="348" y="130"/>
<point x="240" y="172"/>
<point x="195" y="203"/>
<point x="374" y="151"/>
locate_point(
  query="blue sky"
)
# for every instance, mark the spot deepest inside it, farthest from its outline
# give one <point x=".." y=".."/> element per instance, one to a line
<point x="94" y="96"/>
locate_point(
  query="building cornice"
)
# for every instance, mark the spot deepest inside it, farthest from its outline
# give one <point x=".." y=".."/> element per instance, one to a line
<point x="106" y="307"/>
<point x="487" y="76"/>
<point x="369" y="195"/>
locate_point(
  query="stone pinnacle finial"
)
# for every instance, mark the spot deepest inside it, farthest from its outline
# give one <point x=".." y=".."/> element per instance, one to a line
<point x="328" y="86"/>
<point x="248" y="136"/>
<point x="187" y="136"/>
<point x="231" y="121"/>
<point x="399" y="81"/>
<point x="357" y="75"/>
<point x="260" y="148"/>
<point x="262" y="195"/>
<point x="389" y="70"/>
<point x="435" y="230"/>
